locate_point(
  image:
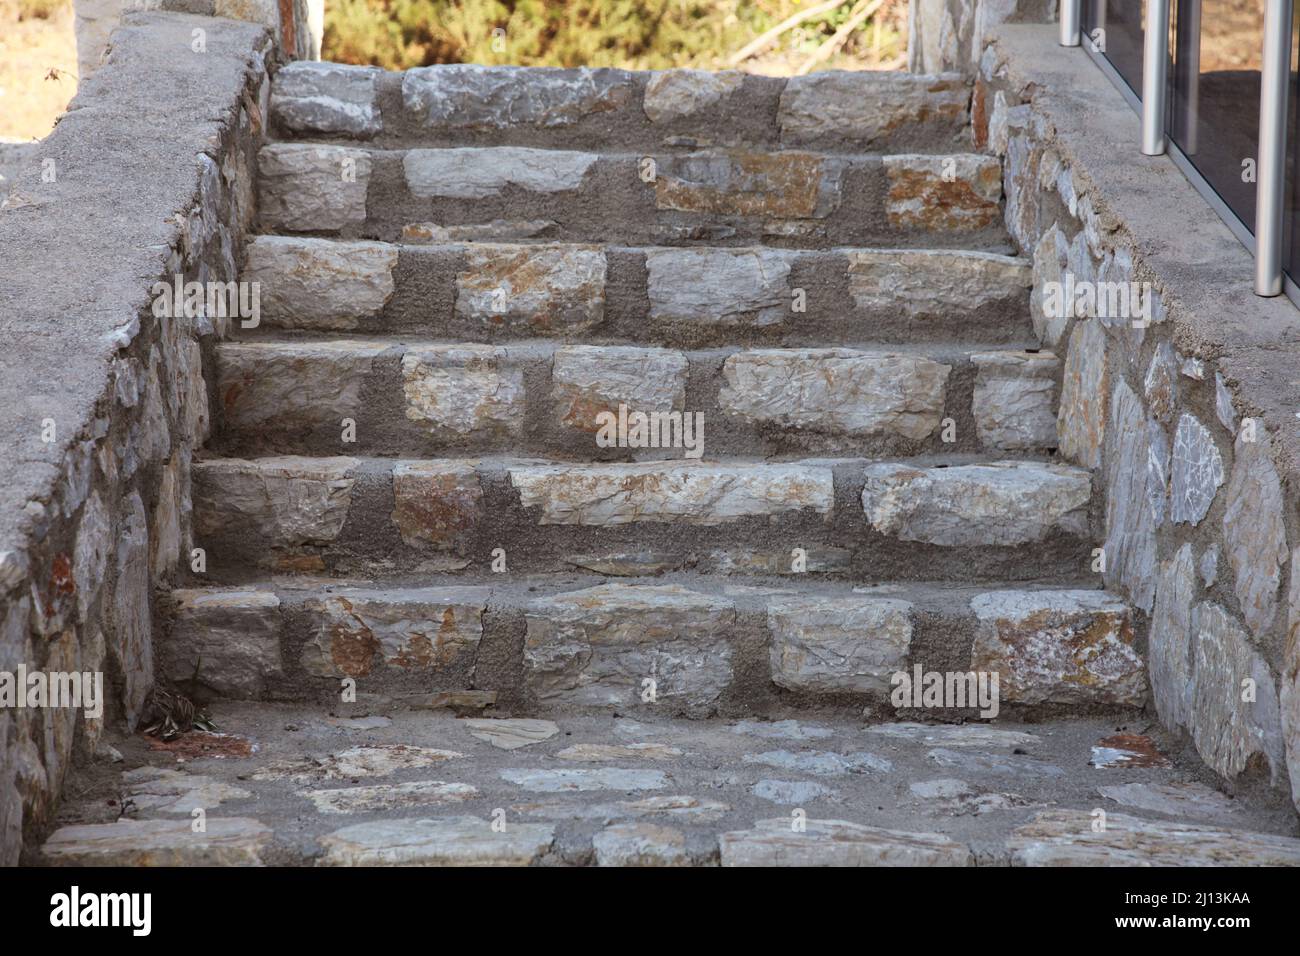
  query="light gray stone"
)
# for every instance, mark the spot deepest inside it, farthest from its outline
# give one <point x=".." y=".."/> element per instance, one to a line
<point x="958" y="798"/>
<point x="576" y="780"/>
<point x="1290" y="681"/>
<point x="471" y="96"/>
<point x="394" y="796"/>
<point x="510" y="733"/>
<point x="792" y="793"/>
<point x="1254" y="532"/>
<point x="930" y="284"/>
<point x="312" y="188"/>
<point x="679" y="94"/>
<point x="1169" y="646"/>
<point x="90" y="554"/>
<point x="1004" y="503"/>
<point x="775" y="187"/>
<point x="314" y="97"/>
<point x="226" y="841"/>
<point x="1223" y="408"/>
<point x="476" y="173"/>
<point x="354" y="763"/>
<point x="640" y="844"/>
<point x="982" y="736"/>
<point x="837" y="391"/>
<point x="1085" y="390"/>
<point x="598" y="753"/>
<point x="131" y="615"/>
<point x="1197" y="472"/>
<point x="447" y="841"/>
<point x="356" y="631"/>
<point x="1161" y="383"/>
<point x="837" y="843"/>
<point x="319" y="283"/>
<point x="1137" y="466"/>
<point x="229" y="640"/>
<point x="867" y="106"/>
<point x="1014" y="399"/>
<point x="1059" y="647"/>
<point x="1050" y="260"/>
<point x="820" y="763"/>
<point x="1210" y="565"/>
<point x="999" y="765"/>
<point x="943" y="193"/>
<point x="1068" y="838"/>
<point x="549" y="290"/>
<point x="464" y="389"/>
<point x="1178" y="799"/>
<point x="718" y="286"/>
<point x="589" y="380"/>
<point x="780" y="729"/>
<point x="848" y="644"/>
<point x="1228" y="730"/>
<point x="601" y="646"/>
<point x="164" y="790"/>
<point x="703" y="494"/>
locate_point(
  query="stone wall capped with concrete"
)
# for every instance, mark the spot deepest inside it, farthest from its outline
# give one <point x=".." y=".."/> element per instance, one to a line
<point x="102" y="399"/>
<point x="1183" y="404"/>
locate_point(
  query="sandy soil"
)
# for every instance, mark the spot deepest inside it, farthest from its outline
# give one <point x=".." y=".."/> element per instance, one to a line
<point x="30" y="100"/>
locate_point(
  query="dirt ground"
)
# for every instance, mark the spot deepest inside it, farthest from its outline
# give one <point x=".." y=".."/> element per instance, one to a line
<point x="30" y="48"/>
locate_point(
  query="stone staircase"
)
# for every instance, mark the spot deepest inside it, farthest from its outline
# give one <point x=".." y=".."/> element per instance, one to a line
<point x="464" y="272"/>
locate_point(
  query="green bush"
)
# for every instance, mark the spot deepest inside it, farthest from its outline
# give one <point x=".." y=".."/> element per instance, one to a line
<point x="634" y="34"/>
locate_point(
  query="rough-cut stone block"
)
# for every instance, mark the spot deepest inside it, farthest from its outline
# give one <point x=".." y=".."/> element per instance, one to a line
<point x="589" y="380"/>
<point x="1169" y="646"/>
<point x="310" y="188"/>
<point x="1013" y="403"/>
<point x="1137" y="466"/>
<point x="692" y="494"/>
<point x="866" y="106"/>
<point x="470" y="96"/>
<point x="838" y="391"/>
<point x="357" y="631"/>
<point x="718" y="286"/>
<point x="678" y="94"/>
<point x="476" y="173"/>
<point x="1003" y="503"/>
<point x="827" y="645"/>
<point x="293" y="385"/>
<point x="1230" y="725"/>
<point x="544" y="289"/>
<point x="1290" y="683"/>
<point x="1050" y="261"/>
<point x="640" y="844"/>
<point x="837" y="843"/>
<point x="228" y="639"/>
<point x="599" y="646"/>
<point x="447" y="841"/>
<point x="284" y="504"/>
<point x="785" y="185"/>
<point x="1197" y="472"/>
<point x="1058" y="647"/>
<point x="319" y="283"/>
<point x="1254" y="533"/>
<point x="581" y="781"/>
<point x="928" y="284"/>
<point x="1069" y="838"/>
<point x="1085" y="391"/>
<point x="943" y="193"/>
<point x="227" y="841"/>
<point x="463" y="389"/>
<point x="314" y="97"/>
<point x="436" y="502"/>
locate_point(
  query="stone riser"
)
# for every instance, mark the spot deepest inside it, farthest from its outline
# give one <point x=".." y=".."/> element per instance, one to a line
<point x="540" y="399"/>
<point x="575" y="647"/>
<point x="803" y="199"/>
<point x="618" y="108"/>
<point x="362" y="516"/>
<point x="702" y="297"/>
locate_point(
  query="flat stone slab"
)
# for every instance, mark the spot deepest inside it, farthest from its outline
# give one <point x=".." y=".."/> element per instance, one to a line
<point x="979" y="736"/>
<point x="450" y="841"/>
<point x="640" y="844"/>
<point x="821" y="763"/>
<point x="1186" y="800"/>
<point x="227" y="841"/>
<point x="837" y="843"/>
<point x="510" y="733"/>
<point x="574" y="780"/>
<point x="1067" y="838"/>
<point x="419" y="793"/>
<point x="366" y="760"/>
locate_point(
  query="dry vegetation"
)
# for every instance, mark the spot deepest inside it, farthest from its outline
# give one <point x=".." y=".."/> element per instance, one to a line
<point x="38" y="66"/>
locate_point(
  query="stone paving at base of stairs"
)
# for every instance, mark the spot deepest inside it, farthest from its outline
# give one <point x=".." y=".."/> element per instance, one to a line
<point x="381" y="785"/>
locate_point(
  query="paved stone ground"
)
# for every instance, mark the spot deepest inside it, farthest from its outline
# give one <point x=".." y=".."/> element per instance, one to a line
<point x="289" y="784"/>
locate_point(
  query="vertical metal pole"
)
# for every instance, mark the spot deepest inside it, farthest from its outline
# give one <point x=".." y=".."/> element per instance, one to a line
<point x="1071" y="16"/>
<point x="1270" y="185"/>
<point x="1155" y="73"/>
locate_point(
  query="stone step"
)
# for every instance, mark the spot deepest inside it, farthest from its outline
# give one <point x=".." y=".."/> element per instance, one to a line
<point x="733" y="197"/>
<point x="470" y="105"/>
<point x="420" y="399"/>
<point x="704" y="646"/>
<point x="489" y="291"/>
<point x="1021" y="520"/>
<point x="382" y="782"/>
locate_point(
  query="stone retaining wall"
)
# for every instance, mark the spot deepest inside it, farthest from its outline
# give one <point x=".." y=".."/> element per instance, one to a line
<point x="1189" y="419"/>
<point x="102" y="402"/>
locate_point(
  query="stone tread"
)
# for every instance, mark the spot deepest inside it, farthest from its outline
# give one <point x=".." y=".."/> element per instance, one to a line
<point x="923" y="518"/>
<point x="416" y="397"/>
<point x="384" y="784"/>
<point x="589" y="641"/>
<point x="470" y="285"/>
<point x="542" y="106"/>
